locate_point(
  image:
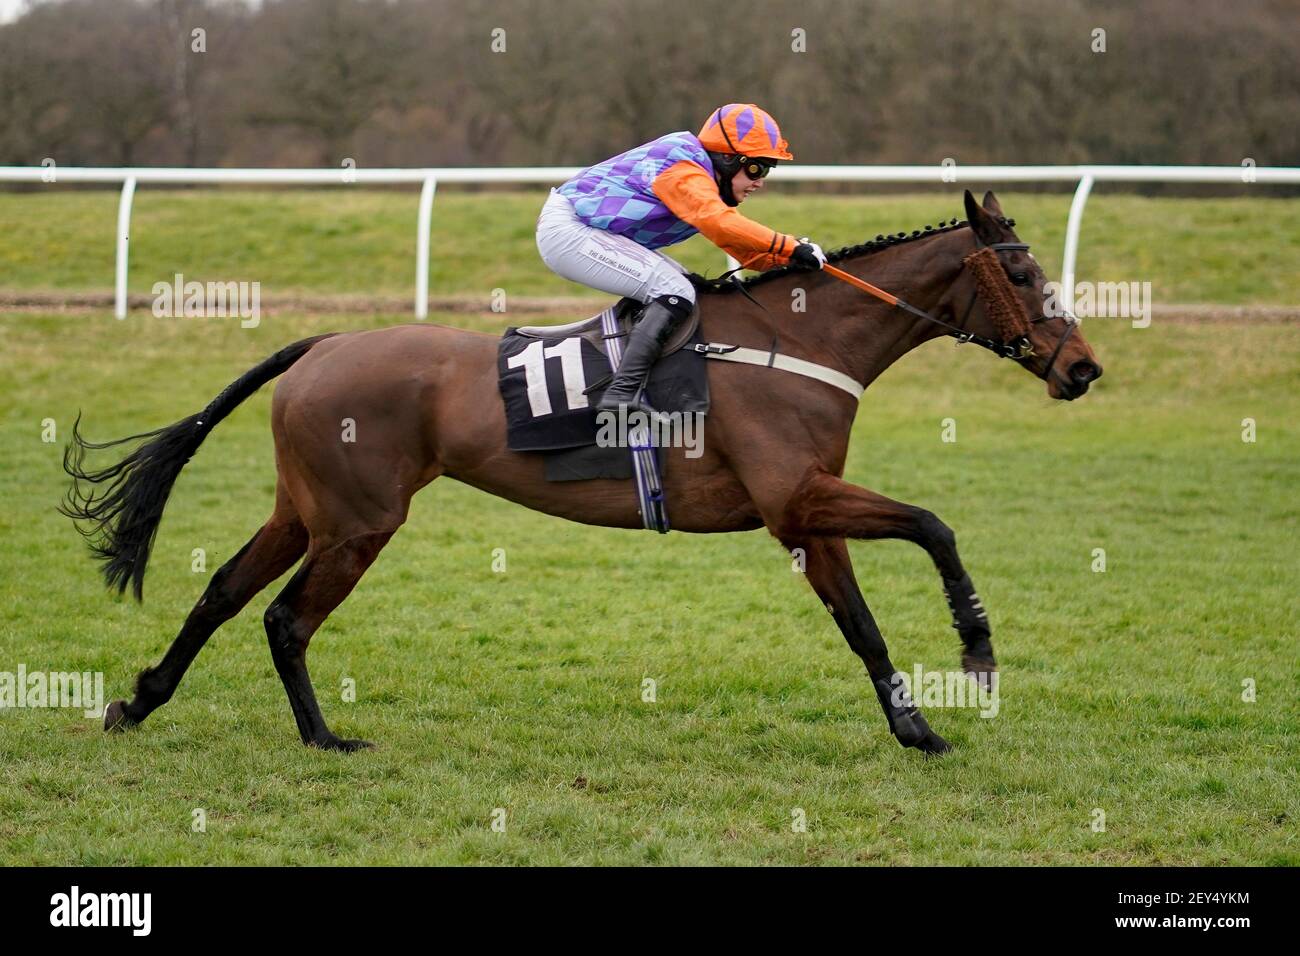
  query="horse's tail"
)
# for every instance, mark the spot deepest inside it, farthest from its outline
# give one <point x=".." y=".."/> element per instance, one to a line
<point x="121" y="523"/>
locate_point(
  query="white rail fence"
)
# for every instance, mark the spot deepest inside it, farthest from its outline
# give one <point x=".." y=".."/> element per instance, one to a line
<point x="1084" y="176"/>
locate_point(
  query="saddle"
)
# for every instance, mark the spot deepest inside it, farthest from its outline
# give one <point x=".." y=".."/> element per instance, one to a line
<point x="591" y="330"/>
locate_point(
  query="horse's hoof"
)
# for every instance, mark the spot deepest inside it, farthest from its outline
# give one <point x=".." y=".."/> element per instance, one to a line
<point x="933" y="745"/>
<point x="915" y="733"/>
<point x="983" y="669"/>
<point x="115" y="717"/>
<point x="350" y="746"/>
<point x="912" y="730"/>
<point x="343" y="746"/>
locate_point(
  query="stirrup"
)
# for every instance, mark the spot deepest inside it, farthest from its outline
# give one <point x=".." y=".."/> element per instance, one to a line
<point x="640" y="403"/>
<point x="637" y="403"/>
<point x="644" y="347"/>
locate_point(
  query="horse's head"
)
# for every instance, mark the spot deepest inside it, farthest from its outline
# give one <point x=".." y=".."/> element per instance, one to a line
<point x="1001" y="293"/>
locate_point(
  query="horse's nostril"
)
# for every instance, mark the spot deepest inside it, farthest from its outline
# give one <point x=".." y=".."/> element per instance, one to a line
<point x="1083" y="372"/>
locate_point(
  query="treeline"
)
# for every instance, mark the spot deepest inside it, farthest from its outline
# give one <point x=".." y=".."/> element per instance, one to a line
<point x="541" y="82"/>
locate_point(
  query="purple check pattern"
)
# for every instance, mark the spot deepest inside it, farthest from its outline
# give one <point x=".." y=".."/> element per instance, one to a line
<point x="618" y="196"/>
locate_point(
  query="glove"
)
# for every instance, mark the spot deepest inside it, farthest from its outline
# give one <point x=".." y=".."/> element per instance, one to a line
<point x="807" y="255"/>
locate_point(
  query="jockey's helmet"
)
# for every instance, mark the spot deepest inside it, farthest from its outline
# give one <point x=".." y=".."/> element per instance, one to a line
<point x="744" y="130"/>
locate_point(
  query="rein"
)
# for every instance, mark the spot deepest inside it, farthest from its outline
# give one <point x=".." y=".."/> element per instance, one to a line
<point x="1017" y="347"/>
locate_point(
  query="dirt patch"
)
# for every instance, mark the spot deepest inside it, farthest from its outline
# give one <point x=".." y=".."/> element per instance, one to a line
<point x="1263" y="314"/>
<point x="82" y="301"/>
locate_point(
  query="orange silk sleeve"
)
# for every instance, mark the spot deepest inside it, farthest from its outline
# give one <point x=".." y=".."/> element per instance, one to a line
<point x="692" y="196"/>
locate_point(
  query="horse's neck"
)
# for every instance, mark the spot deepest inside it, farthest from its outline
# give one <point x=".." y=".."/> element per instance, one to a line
<point x="872" y="334"/>
<point x="841" y="326"/>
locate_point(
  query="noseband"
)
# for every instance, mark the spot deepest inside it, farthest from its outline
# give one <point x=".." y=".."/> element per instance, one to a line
<point x="1019" y="347"/>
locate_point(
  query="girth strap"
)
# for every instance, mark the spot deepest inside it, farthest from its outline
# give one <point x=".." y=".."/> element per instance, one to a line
<point x="786" y="363"/>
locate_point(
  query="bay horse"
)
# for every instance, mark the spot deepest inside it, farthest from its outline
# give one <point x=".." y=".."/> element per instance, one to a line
<point x="424" y="403"/>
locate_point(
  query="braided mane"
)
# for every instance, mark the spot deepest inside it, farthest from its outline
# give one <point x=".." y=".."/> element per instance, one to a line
<point x="865" y="248"/>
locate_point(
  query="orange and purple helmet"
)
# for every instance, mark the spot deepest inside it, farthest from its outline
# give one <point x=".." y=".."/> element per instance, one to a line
<point x="746" y="130"/>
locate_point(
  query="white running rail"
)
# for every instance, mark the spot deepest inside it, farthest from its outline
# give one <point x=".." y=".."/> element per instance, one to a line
<point x="1084" y="176"/>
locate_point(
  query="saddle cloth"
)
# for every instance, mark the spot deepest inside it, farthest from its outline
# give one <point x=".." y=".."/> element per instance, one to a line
<point x="551" y="378"/>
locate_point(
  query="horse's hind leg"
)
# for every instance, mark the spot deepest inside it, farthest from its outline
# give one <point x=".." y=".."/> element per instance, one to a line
<point x="266" y="556"/>
<point x="316" y="589"/>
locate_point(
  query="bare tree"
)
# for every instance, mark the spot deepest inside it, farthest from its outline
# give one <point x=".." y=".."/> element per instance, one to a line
<point x="327" y="66"/>
<point x="540" y="81"/>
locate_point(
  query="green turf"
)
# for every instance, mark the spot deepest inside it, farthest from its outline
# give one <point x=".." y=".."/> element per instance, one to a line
<point x="1121" y="691"/>
<point x="362" y="242"/>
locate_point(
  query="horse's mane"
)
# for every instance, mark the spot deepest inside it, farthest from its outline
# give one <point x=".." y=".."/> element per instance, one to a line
<point x="862" y="249"/>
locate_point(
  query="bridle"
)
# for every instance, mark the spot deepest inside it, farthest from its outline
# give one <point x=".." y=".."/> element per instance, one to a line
<point x="1019" y="348"/>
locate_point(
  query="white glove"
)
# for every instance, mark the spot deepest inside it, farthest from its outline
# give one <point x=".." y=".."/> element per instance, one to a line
<point x="816" y="251"/>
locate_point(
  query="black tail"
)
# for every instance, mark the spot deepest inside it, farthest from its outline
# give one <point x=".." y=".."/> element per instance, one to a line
<point x="121" y="523"/>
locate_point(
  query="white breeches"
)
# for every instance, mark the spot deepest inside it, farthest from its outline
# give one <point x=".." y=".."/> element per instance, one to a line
<point x="604" y="260"/>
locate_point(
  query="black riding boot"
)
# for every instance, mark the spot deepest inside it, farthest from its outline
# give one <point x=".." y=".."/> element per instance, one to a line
<point x="660" y="319"/>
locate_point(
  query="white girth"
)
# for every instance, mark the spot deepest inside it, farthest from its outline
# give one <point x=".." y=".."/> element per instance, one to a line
<point x="736" y="353"/>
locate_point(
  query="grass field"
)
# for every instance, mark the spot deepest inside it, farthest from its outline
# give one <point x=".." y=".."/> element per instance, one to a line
<point x="1121" y="691"/>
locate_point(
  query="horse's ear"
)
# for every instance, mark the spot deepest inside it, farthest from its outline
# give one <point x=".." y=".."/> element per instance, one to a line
<point x="992" y="205"/>
<point x="985" y="226"/>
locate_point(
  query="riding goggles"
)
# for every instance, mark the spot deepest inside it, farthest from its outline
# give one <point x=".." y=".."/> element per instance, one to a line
<point x="756" y="168"/>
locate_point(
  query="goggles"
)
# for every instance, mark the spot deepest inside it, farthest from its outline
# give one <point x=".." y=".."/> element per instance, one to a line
<point x="756" y="168"/>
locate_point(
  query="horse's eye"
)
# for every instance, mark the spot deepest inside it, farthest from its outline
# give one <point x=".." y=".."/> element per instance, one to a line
<point x="1020" y="278"/>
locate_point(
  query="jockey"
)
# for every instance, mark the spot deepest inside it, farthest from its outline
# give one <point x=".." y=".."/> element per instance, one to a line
<point x="604" y="226"/>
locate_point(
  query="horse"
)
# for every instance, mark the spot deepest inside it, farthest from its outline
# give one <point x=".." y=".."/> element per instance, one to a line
<point x="425" y="404"/>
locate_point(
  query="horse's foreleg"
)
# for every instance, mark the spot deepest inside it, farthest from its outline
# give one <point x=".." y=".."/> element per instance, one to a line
<point x="316" y="589"/>
<point x="826" y="505"/>
<point x="270" y="552"/>
<point x="830" y="573"/>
